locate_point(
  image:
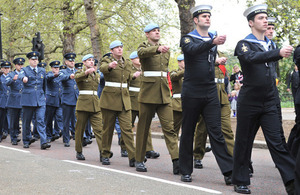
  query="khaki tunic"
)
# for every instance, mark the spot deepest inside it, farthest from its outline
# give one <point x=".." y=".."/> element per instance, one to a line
<point x="154" y="97"/>
<point x="115" y="102"/>
<point x="87" y="107"/>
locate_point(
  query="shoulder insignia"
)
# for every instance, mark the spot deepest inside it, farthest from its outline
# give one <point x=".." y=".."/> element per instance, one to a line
<point x="244" y="48"/>
<point x="187" y="40"/>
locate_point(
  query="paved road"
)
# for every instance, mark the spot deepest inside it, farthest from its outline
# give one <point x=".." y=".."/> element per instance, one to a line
<point x="56" y="171"/>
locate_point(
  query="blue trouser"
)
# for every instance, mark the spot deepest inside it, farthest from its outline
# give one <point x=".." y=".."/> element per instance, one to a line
<point x="34" y="130"/>
<point x="69" y="121"/>
<point x="58" y="122"/>
<point x="28" y="113"/>
<point x="2" y="119"/>
<point x="51" y="113"/>
<point x="14" y="116"/>
<point x="118" y="128"/>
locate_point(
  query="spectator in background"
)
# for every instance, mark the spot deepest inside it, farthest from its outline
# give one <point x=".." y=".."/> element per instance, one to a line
<point x="293" y="81"/>
<point x="237" y="76"/>
<point x="233" y="102"/>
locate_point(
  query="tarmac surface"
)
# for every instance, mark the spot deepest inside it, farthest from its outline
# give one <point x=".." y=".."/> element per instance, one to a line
<point x="56" y="171"/>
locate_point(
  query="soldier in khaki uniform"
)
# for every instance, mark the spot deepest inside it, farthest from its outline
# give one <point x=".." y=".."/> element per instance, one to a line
<point x="88" y="104"/>
<point x="154" y="97"/>
<point x="134" y="88"/>
<point x="201" y="133"/>
<point x="115" y="101"/>
<point x="177" y="79"/>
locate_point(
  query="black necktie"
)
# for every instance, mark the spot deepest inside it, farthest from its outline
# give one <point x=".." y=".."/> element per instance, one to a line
<point x="34" y="70"/>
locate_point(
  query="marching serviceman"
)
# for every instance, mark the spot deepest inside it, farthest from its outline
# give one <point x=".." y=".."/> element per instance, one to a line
<point x="134" y="89"/>
<point x="199" y="94"/>
<point x="177" y="79"/>
<point x="53" y="101"/>
<point x="33" y="100"/>
<point x="154" y="97"/>
<point x="69" y="97"/>
<point x="4" y="92"/>
<point x="14" y="99"/>
<point x="88" y="104"/>
<point x="257" y="102"/>
<point x="115" y="101"/>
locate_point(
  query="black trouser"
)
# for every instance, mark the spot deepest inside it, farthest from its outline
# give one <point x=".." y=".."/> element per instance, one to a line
<point x="211" y="112"/>
<point x="267" y="117"/>
<point x="294" y="137"/>
<point x="297" y="175"/>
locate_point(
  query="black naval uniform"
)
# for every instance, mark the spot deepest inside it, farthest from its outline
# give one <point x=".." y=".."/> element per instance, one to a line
<point x="257" y="104"/>
<point x="199" y="96"/>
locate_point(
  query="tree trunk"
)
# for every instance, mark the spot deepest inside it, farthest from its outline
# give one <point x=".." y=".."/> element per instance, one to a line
<point x="69" y="36"/>
<point x="186" y="19"/>
<point x="94" y="28"/>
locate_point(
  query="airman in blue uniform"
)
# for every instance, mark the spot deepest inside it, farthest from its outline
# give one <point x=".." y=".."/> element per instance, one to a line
<point x="53" y="101"/>
<point x="14" y="100"/>
<point x="33" y="100"/>
<point x="69" y="96"/>
<point x="4" y="91"/>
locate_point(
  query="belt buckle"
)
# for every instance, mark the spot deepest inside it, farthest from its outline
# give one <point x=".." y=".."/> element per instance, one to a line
<point x="35" y="87"/>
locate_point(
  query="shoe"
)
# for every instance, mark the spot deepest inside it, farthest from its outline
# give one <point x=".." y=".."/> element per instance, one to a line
<point x="80" y="156"/>
<point x="86" y="141"/>
<point x="45" y="146"/>
<point x="140" y="167"/>
<point x="228" y="180"/>
<point x="198" y="164"/>
<point x="18" y="140"/>
<point x="132" y="162"/>
<point x="14" y="142"/>
<point x="93" y="136"/>
<point x="207" y="149"/>
<point x="32" y="141"/>
<point x="105" y="161"/>
<point x="111" y="155"/>
<point x="67" y="144"/>
<point x="242" y="189"/>
<point x="152" y="154"/>
<point x="176" y="167"/>
<point x="290" y="187"/>
<point x="26" y="146"/>
<point x="186" y="178"/>
<point x="124" y="153"/>
<point x="4" y="136"/>
<point x="55" y="137"/>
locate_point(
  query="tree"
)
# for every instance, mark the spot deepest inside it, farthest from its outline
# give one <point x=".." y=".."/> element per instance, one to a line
<point x="186" y="20"/>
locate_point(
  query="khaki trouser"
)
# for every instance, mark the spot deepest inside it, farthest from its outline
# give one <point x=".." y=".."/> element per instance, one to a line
<point x="164" y="112"/>
<point x="177" y="121"/>
<point x="96" y="123"/>
<point x="109" y="119"/>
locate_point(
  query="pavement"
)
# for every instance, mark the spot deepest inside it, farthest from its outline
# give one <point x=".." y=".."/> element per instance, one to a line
<point x="56" y="171"/>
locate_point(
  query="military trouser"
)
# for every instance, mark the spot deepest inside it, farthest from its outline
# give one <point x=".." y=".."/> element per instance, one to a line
<point x="96" y="122"/>
<point x="201" y="133"/>
<point x="210" y="109"/>
<point x="177" y="115"/>
<point x="164" y="112"/>
<point x="149" y="146"/>
<point x="267" y="117"/>
<point x="109" y="119"/>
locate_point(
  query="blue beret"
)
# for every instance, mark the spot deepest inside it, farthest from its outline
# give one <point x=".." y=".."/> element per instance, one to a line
<point x="87" y="57"/>
<point x="70" y="56"/>
<point x="19" y="61"/>
<point x="5" y="64"/>
<point x="150" y="27"/>
<point x="55" y="64"/>
<point x="33" y="55"/>
<point x="180" y="57"/>
<point x="79" y="65"/>
<point x="42" y="64"/>
<point x="133" y="55"/>
<point x="115" y="43"/>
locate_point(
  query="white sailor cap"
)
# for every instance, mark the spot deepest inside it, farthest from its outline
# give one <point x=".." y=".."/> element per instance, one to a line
<point x="200" y="9"/>
<point x="271" y="21"/>
<point x="256" y="9"/>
